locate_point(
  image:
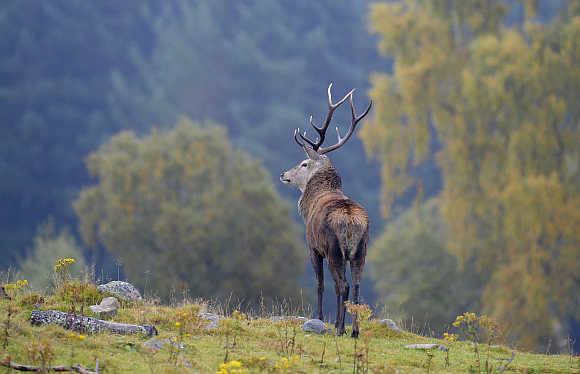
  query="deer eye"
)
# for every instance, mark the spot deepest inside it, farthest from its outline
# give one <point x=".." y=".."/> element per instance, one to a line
<point x="304" y="165"/>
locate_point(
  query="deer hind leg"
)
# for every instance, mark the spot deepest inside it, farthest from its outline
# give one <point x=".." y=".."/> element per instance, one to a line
<point x="338" y="270"/>
<point x="319" y="272"/>
<point x="356" y="269"/>
<point x="341" y="297"/>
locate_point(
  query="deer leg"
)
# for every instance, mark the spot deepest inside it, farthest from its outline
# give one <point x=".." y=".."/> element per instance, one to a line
<point x="337" y="269"/>
<point x="338" y="299"/>
<point x="356" y="269"/>
<point x="319" y="272"/>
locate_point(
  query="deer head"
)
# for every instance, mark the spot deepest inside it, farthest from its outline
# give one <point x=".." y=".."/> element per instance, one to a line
<point x="317" y="159"/>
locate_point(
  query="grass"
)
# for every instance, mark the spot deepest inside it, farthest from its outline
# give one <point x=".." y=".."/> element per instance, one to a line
<point x="254" y="344"/>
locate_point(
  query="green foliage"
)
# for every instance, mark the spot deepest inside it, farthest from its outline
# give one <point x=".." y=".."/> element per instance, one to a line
<point x="415" y="277"/>
<point x="38" y="266"/>
<point x="187" y="210"/>
<point x="502" y="104"/>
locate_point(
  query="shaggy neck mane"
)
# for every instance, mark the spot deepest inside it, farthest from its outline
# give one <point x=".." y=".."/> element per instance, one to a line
<point x="324" y="180"/>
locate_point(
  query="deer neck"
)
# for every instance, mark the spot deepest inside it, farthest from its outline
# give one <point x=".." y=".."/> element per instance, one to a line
<point x="323" y="181"/>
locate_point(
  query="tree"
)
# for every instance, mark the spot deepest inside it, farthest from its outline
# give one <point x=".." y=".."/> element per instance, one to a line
<point x="259" y="69"/>
<point x="415" y="277"/>
<point x="72" y="73"/>
<point x="183" y="208"/>
<point x="49" y="246"/>
<point x="501" y="101"/>
<point x="56" y="69"/>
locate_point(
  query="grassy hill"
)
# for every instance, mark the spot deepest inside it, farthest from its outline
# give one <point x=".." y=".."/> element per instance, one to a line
<point x="246" y="343"/>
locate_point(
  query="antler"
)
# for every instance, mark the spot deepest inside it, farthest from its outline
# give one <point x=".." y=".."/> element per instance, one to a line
<point x="321" y="130"/>
<point x="354" y="121"/>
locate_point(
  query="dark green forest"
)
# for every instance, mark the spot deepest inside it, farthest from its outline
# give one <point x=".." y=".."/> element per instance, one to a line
<point x="146" y="138"/>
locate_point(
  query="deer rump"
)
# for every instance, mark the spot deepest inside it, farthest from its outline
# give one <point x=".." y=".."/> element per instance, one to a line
<point x="337" y="224"/>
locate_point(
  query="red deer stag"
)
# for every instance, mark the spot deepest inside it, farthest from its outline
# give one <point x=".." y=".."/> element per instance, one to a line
<point x="337" y="228"/>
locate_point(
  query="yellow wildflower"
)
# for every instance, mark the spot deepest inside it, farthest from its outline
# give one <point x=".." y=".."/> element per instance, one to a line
<point x="449" y="337"/>
<point x="16" y="285"/>
<point x="237" y="315"/>
<point x="231" y="367"/>
<point x="63" y="263"/>
<point x="285" y="363"/>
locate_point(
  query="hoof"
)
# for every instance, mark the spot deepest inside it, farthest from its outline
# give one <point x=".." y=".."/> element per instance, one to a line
<point x="340" y="332"/>
<point x="354" y="334"/>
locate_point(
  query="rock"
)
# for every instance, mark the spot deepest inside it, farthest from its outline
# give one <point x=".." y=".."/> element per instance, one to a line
<point x="214" y="320"/>
<point x="425" y="347"/>
<point x="391" y="324"/>
<point x="284" y="318"/>
<point x="85" y="324"/>
<point x="314" y="325"/>
<point x="123" y="290"/>
<point x="156" y="344"/>
<point x="107" y="308"/>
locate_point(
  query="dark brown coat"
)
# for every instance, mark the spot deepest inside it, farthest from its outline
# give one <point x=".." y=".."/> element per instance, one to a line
<point x="337" y="228"/>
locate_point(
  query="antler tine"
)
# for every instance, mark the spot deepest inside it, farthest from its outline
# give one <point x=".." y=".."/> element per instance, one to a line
<point x="354" y="121"/>
<point x="331" y="108"/>
<point x="312" y="144"/>
<point x="322" y="130"/>
<point x="296" y="132"/>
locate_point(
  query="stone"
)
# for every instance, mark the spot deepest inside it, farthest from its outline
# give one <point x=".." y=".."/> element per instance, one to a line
<point x="214" y="320"/>
<point x="90" y="325"/>
<point x="284" y="318"/>
<point x="156" y="344"/>
<point x="314" y="325"/>
<point x="122" y="290"/>
<point x="391" y="324"/>
<point x="107" y="308"/>
<point x="425" y="347"/>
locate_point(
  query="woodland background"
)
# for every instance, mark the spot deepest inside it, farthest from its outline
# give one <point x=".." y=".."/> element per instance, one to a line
<point x="145" y="139"/>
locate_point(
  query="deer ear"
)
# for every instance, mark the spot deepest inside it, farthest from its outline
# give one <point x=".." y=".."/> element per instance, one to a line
<point x="312" y="154"/>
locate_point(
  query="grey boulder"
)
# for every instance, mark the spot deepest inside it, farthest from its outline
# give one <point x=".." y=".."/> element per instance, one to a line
<point x="314" y="325"/>
<point x="156" y="344"/>
<point x="107" y="308"/>
<point x="213" y="319"/>
<point x="123" y="290"/>
<point x="425" y="347"/>
<point x="391" y="324"/>
<point x="288" y="318"/>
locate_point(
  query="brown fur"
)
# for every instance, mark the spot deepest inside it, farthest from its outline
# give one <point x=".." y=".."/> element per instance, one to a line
<point x="337" y="228"/>
<point x="323" y="205"/>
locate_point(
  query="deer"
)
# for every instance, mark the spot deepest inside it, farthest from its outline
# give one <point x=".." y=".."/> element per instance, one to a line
<point x="337" y="227"/>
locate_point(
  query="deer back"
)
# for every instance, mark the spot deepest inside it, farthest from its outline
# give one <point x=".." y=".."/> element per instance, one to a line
<point x="330" y="216"/>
